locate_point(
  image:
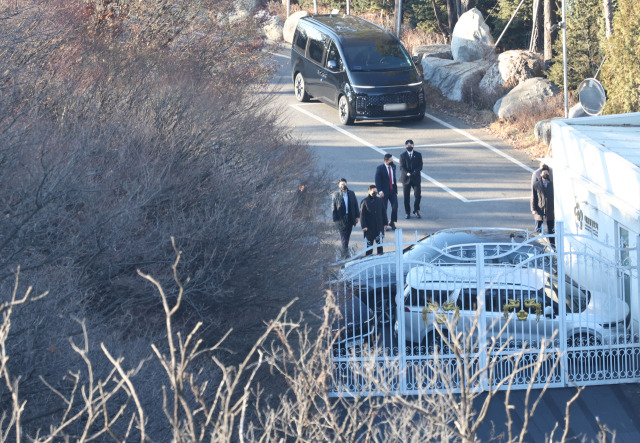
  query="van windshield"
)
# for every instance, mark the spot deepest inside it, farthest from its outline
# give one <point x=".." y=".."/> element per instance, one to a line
<point x="376" y="56"/>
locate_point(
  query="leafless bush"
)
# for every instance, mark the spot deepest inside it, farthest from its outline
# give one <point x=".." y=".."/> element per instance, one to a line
<point x="122" y="125"/>
<point x="229" y="405"/>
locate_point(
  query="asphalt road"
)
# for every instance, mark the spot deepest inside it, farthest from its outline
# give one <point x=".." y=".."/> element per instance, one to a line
<point x="470" y="179"/>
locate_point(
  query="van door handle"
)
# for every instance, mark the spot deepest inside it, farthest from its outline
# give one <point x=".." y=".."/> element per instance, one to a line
<point x="322" y="73"/>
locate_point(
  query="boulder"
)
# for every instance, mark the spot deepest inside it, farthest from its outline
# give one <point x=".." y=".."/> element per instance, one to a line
<point x="455" y="79"/>
<point x="542" y="132"/>
<point x="511" y="69"/>
<point x="272" y="28"/>
<point x="439" y="51"/>
<point x="243" y="9"/>
<point x="290" y="25"/>
<point x="529" y="93"/>
<point x="471" y="39"/>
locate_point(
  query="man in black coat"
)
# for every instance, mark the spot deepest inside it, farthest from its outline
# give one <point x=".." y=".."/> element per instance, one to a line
<point x="387" y="184"/>
<point x="373" y="219"/>
<point x="410" y="167"/>
<point x="542" y="206"/>
<point x="344" y="207"/>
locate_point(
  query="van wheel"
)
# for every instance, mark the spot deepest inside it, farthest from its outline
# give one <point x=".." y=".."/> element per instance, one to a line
<point x="344" y="114"/>
<point x="298" y="88"/>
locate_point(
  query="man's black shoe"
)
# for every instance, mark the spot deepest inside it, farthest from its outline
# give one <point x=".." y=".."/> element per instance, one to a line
<point x="393" y="226"/>
<point x="417" y="213"/>
<point x="407" y="216"/>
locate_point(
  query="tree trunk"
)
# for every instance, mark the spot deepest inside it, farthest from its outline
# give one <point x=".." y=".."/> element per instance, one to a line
<point x="608" y="17"/>
<point x="536" y="25"/>
<point x="548" y="51"/>
<point x="453" y="15"/>
<point x="459" y="10"/>
<point x="438" y="19"/>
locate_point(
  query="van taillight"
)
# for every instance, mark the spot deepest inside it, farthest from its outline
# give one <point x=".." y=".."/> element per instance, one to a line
<point x="406" y="309"/>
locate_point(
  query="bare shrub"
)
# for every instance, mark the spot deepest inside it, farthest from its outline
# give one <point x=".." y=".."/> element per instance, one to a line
<point x="412" y="38"/>
<point x="122" y="125"/>
<point x="519" y="130"/>
<point x="228" y="405"/>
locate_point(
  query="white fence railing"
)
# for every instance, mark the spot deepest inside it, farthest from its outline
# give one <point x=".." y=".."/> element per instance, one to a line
<point x="486" y="315"/>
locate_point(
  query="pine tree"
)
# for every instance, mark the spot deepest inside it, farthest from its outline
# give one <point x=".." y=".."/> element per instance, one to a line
<point x="585" y="43"/>
<point x="621" y="70"/>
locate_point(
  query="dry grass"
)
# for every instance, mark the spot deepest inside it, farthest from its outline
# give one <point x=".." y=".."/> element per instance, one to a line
<point x="519" y="131"/>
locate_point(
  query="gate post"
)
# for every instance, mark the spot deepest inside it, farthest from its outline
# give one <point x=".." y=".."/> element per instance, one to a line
<point x="482" y="321"/>
<point x="635" y="297"/>
<point x="402" y="348"/>
<point x="562" y="298"/>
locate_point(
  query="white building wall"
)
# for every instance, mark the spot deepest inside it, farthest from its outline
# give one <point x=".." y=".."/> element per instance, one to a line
<point x="597" y="188"/>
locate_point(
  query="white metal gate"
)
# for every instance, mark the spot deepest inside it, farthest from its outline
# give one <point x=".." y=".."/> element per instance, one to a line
<point x="489" y="314"/>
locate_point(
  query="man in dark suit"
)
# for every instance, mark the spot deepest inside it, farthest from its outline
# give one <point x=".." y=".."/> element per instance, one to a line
<point x="387" y="185"/>
<point x="542" y="206"/>
<point x="374" y="219"/>
<point x="410" y="167"/>
<point x="346" y="214"/>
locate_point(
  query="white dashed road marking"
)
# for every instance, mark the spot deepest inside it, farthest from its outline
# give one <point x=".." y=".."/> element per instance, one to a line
<point x="474" y="140"/>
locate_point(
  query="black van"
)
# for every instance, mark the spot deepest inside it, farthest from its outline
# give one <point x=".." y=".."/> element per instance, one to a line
<point x="356" y="66"/>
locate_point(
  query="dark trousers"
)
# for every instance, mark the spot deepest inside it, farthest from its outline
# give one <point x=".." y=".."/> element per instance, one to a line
<point x="550" y="229"/>
<point x="393" y="198"/>
<point x="377" y="237"/>
<point x="345" y="235"/>
<point x="417" y="194"/>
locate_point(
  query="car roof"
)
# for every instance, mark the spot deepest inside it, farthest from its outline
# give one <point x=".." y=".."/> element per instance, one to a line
<point x="348" y="27"/>
<point x="462" y="236"/>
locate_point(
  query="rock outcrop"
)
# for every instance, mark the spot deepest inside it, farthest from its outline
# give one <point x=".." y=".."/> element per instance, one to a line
<point x="438" y="51"/>
<point x="272" y="28"/>
<point x="471" y="39"/>
<point x="455" y="79"/>
<point x="511" y="69"/>
<point x="529" y="93"/>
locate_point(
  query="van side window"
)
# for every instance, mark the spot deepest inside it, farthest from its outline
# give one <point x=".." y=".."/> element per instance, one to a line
<point x="334" y="55"/>
<point x="300" y="39"/>
<point x="316" y="50"/>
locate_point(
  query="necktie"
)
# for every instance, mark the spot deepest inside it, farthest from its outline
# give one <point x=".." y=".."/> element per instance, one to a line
<point x="390" y="178"/>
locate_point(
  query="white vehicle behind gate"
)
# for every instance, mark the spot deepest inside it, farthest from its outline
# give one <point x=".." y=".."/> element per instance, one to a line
<point x="519" y="300"/>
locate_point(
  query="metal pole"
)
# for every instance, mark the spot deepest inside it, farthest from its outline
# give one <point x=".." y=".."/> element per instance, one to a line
<point x="562" y="298"/>
<point x="288" y="8"/>
<point x="402" y="348"/>
<point x="315" y="7"/>
<point x="348" y="7"/>
<point x="399" y="16"/>
<point x="564" y="59"/>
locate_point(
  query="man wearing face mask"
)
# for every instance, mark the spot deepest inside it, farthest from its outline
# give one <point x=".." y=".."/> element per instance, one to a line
<point x="344" y="206"/>
<point x="542" y="206"/>
<point x="388" y="187"/>
<point x="373" y="219"/>
<point x="410" y="167"/>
